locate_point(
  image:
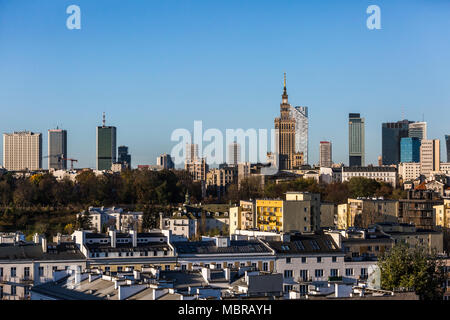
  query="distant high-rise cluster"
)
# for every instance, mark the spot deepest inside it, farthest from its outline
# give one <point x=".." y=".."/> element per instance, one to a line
<point x="356" y="140"/>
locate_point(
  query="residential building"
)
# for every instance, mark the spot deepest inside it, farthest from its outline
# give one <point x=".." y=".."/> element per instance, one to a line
<point x="328" y="215"/>
<point x="409" y="171"/>
<point x="410" y="150"/>
<point x="300" y="115"/>
<point x="299" y="212"/>
<point x="191" y="152"/>
<point x="285" y="136"/>
<point x="22" y="151"/>
<point x="363" y="212"/>
<point x="165" y="161"/>
<point x="57" y="149"/>
<point x="113" y="218"/>
<point x="325" y="156"/>
<point x="124" y="156"/>
<point x="417" y="208"/>
<point x="418" y="130"/>
<point x="197" y="168"/>
<point x="382" y="174"/>
<point x="27" y="264"/>
<point x="392" y="133"/>
<point x="429" y="157"/>
<point x="441" y="213"/>
<point x="356" y="140"/>
<point x="242" y="217"/>
<point x="330" y="175"/>
<point x="221" y="178"/>
<point x="106" y="146"/>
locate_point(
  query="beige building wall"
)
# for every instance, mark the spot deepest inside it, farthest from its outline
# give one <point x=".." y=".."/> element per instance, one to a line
<point x="429" y="156"/>
<point x="22" y="150"/>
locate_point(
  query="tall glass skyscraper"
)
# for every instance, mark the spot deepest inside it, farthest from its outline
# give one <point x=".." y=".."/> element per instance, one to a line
<point x="57" y="149"/>
<point x="356" y="139"/>
<point x="106" y="146"/>
<point x="391" y="134"/>
<point x="447" y="143"/>
<point x="300" y="114"/>
<point x="410" y="150"/>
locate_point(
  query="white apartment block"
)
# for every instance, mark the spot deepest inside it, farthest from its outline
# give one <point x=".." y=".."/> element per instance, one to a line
<point x="114" y="217"/>
<point x="382" y="174"/>
<point x="409" y="171"/>
<point x="22" y="151"/>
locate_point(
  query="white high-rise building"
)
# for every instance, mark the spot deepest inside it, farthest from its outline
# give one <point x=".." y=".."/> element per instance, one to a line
<point x="429" y="156"/>
<point x="417" y="130"/>
<point x="300" y="114"/>
<point x="234" y="153"/>
<point x="191" y="152"/>
<point x="22" y="150"/>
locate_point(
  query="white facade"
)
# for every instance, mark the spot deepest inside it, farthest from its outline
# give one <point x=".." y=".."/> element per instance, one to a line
<point x="417" y="130"/>
<point x="384" y="174"/>
<point x="429" y="156"/>
<point x="22" y="150"/>
<point x="409" y="170"/>
<point x="121" y="220"/>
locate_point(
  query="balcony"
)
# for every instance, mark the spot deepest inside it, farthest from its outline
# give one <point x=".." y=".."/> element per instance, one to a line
<point x="304" y="280"/>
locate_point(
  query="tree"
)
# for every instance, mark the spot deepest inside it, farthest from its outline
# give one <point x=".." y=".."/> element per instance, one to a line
<point x="412" y="267"/>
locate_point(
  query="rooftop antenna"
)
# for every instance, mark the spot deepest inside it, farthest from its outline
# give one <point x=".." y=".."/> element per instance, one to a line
<point x="104" y="119"/>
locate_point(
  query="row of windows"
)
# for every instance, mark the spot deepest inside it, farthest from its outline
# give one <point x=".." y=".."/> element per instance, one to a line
<point x="318" y="273"/>
<point x="318" y="259"/>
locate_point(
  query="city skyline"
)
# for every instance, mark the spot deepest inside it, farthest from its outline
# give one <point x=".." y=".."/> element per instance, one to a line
<point x="149" y="87"/>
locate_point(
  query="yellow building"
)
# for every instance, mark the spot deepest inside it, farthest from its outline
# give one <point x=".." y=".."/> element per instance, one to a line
<point x="242" y="217"/>
<point x="270" y="215"/>
<point x="442" y="214"/>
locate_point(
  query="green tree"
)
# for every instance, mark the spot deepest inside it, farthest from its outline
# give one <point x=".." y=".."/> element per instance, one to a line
<point x="412" y="267"/>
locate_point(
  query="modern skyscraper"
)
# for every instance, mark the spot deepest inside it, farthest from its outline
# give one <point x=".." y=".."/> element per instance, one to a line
<point x="22" y="150"/>
<point x="57" y="149"/>
<point x="391" y="134"/>
<point x="106" y="146"/>
<point x="356" y="138"/>
<point x="124" y="156"/>
<point x="418" y="130"/>
<point x="285" y="136"/>
<point x="447" y="142"/>
<point x="325" y="156"/>
<point x="165" y="161"/>
<point x="300" y="114"/>
<point x="234" y="153"/>
<point x="410" y="150"/>
<point x="429" y="156"/>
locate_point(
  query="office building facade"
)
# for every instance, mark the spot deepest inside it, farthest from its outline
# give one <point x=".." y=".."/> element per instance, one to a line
<point x="429" y="157"/>
<point x="418" y="130"/>
<point x="410" y="150"/>
<point x="106" y="146"/>
<point x="391" y="135"/>
<point x="57" y="149"/>
<point x="165" y="161"/>
<point x="124" y="156"/>
<point x="325" y="156"/>
<point x="22" y="151"/>
<point x="356" y="140"/>
<point x="234" y="153"/>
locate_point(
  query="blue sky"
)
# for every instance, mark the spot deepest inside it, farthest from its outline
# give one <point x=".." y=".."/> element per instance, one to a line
<point x="155" y="66"/>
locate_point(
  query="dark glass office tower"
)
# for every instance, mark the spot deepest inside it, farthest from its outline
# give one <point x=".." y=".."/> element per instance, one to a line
<point x="356" y="138"/>
<point x="447" y="143"/>
<point x="106" y="146"/>
<point x="410" y="150"/>
<point x="391" y="134"/>
<point x="124" y="157"/>
<point x="57" y="149"/>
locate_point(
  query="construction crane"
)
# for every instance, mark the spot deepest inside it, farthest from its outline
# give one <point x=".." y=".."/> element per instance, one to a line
<point x="61" y="158"/>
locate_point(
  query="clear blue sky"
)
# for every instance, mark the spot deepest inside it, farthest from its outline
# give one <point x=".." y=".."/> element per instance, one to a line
<point x="154" y="66"/>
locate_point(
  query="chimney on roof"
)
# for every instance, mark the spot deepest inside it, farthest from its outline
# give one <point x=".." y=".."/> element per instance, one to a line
<point x="112" y="235"/>
<point x="44" y="244"/>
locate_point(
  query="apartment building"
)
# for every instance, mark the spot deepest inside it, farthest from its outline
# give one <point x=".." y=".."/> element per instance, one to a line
<point x="22" y="151"/>
<point x="103" y="218"/>
<point x="299" y="212"/>
<point x="362" y="212"/>
<point x="417" y="208"/>
<point x="26" y="264"/>
<point x="382" y="174"/>
<point x="408" y="171"/>
<point x="441" y="214"/>
<point x="242" y="217"/>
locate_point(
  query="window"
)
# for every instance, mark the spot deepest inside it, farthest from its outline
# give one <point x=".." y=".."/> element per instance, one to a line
<point x="265" y="266"/>
<point x="27" y="290"/>
<point x="1" y="272"/>
<point x="13" y="271"/>
<point x="288" y="273"/>
<point x="167" y="267"/>
<point x="288" y="260"/>
<point x="1" y="292"/>
<point x="303" y="289"/>
<point x="334" y="272"/>
<point x="318" y="273"/>
<point x="54" y="268"/>
<point x="377" y="248"/>
<point x="333" y="259"/>
<point x="349" y="272"/>
<point x="363" y="271"/>
<point x="26" y="272"/>
<point x="304" y="275"/>
<point x="287" y="287"/>
<point x="13" y="290"/>
<point x="303" y="259"/>
<point x="319" y="259"/>
<point x="107" y="269"/>
<point x="119" y="269"/>
<point x="183" y="267"/>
